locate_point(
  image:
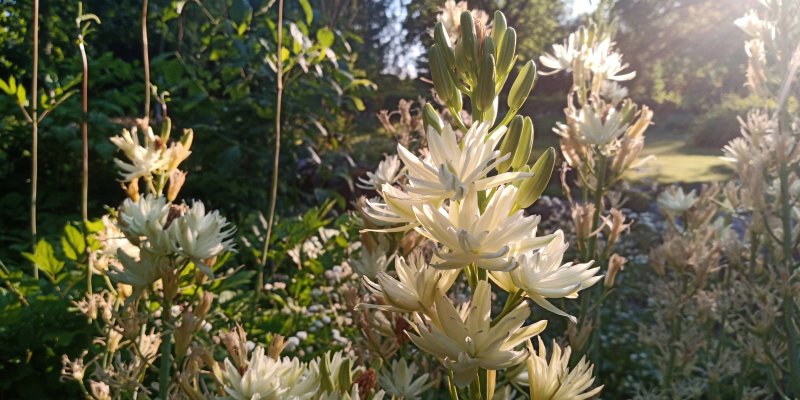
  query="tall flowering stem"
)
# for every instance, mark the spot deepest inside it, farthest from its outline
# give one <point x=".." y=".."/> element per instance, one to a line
<point x="35" y="127"/>
<point x="600" y="140"/>
<point x="466" y="197"/>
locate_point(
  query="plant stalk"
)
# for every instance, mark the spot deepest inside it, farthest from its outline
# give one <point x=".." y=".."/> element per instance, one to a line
<point x="146" y="62"/>
<point x="85" y="133"/>
<point x="35" y="129"/>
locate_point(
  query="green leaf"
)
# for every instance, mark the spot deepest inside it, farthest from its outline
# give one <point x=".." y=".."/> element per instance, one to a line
<point x="325" y="37"/>
<point x="4" y="87"/>
<point x="308" y="10"/>
<point x="358" y="103"/>
<point x="73" y="243"/>
<point x="22" y="97"/>
<point x="44" y="257"/>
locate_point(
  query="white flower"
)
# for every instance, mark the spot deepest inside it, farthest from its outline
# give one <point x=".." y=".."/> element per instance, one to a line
<point x="111" y="240"/>
<point x="613" y="91"/>
<point x="387" y="173"/>
<point x="143" y="223"/>
<point x="596" y="130"/>
<point x="607" y="63"/>
<point x="199" y="236"/>
<point x="138" y="272"/>
<point x="268" y="379"/>
<point x="489" y="239"/>
<point x="563" y="54"/>
<point x="541" y="275"/>
<point x="417" y="286"/>
<point x="398" y="381"/>
<point x="450" y="16"/>
<point x="554" y="380"/>
<point x="676" y="200"/>
<point x="451" y="170"/>
<point x="145" y="158"/>
<point x="373" y="261"/>
<point x="754" y="26"/>
<point x="397" y="208"/>
<point x="466" y="341"/>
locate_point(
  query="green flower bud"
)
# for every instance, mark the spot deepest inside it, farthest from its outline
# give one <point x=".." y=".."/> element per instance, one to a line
<point x="442" y="80"/>
<point x="469" y="38"/>
<point x="522" y="86"/>
<point x="166" y="129"/>
<point x="523" y="150"/>
<point x="442" y="40"/>
<point x="531" y="188"/>
<point x="507" y="52"/>
<point x="431" y="118"/>
<point x="510" y="142"/>
<point x="345" y="377"/>
<point x="484" y="94"/>
<point x="463" y="66"/>
<point x="499" y="27"/>
<point x="488" y="47"/>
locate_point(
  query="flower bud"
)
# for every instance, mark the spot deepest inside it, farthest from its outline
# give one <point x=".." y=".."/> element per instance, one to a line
<point x="442" y="80"/>
<point x="510" y="143"/>
<point x="506" y="52"/>
<point x="469" y="38"/>
<point x="522" y="86"/>
<point x="176" y="181"/>
<point x="442" y="40"/>
<point x="499" y="30"/>
<point x="484" y="94"/>
<point x="615" y="264"/>
<point x="522" y="151"/>
<point x="531" y="188"/>
<point x="431" y="118"/>
<point x="489" y="47"/>
<point x="166" y="128"/>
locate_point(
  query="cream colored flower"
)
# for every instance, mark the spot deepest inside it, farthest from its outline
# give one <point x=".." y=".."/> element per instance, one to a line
<point x="269" y="379"/>
<point x="145" y="158"/>
<point x="199" y="236"/>
<point x="111" y="239"/>
<point x="541" y="275"/>
<point x="676" y="200"/>
<point x="563" y="54"/>
<point x="398" y="381"/>
<point x="466" y="341"/>
<point x="607" y="63"/>
<point x="599" y="127"/>
<point x="138" y="272"/>
<point x="754" y="26"/>
<point x="416" y="287"/>
<point x="397" y="208"/>
<point x="452" y="169"/>
<point x="490" y="239"/>
<point x="143" y="223"/>
<point x="373" y="261"/>
<point x="387" y="173"/>
<point x="553" y="380"/>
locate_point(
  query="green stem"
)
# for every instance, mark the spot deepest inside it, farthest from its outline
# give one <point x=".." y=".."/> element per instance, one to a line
<point x="788" y="300"/>
<point x="513" y="300"/>
<point x="166" y="350"/>
<point x="598" y="203"/>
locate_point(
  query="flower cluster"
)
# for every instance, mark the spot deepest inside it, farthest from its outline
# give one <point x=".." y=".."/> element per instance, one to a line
<point x="462" y="201"/>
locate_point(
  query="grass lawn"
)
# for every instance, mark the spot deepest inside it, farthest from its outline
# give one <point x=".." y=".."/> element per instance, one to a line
<point x="678" y="162"/>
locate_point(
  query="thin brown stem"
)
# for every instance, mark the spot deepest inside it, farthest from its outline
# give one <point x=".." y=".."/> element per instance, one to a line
<point x="274" y="194"/>
<point x="35" y="127"/>
<point x="146" y="61"/>
<point x="85" y="133"/>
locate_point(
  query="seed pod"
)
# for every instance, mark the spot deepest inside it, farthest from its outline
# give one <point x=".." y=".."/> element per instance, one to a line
<point x="507" y="52"/>
<point x="442" y="80"/>
<point x="499" y="27"/>
<point x="442" y="39"/>
<point x="530" y="189"/>
<point x="469" y="38"/>
<point x="484" y="91"/>
<point x="522" y="86"/>
<point x="510" y="143"/>
<point x="431" y="118"/>
<point x="523" y="150"/>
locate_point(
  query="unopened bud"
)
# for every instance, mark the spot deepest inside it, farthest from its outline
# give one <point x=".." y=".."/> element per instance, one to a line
<point x="522" y="86"/>
<point x="510" y="143"/>
<point x="346" y="373"/>
<point x="431" y="118"/>
<point x="469" y="38"/>
<point x="442" y="80"/>
<point x="489" y="47"/>
<point x="484" y="92"/>
<point x="615" y="264"/>
<point x="499" y="27"/>
<point x="523" y="150"/>
<point x="176" y="181"/>
<point x="133" y="190"/>
<point x="442" y="40"/>
<point x="166" y="128"/>
<point x="531" y="188"/>
<point x="507" y="52"/>
<point x="276" y="346"/>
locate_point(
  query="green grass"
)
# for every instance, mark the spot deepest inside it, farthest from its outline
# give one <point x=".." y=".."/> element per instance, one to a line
<point x="676" y="161"/>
